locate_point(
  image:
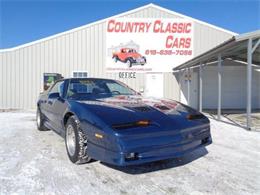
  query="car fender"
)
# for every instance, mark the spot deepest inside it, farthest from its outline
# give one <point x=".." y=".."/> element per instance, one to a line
<point x="130" y="58"/>
<point x="92" y="126"/>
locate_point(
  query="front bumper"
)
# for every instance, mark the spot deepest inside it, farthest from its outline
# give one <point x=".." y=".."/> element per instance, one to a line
<point x="139" y="61"/>
<point x="145" y="151"/>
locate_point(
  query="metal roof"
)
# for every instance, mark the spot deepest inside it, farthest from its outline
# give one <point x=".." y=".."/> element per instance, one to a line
<point x="234" y="48"/>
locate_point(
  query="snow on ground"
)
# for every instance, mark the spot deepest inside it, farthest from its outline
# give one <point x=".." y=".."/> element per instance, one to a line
<point x="34" y="162"/>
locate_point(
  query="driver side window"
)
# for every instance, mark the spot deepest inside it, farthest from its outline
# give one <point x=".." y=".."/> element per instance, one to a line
<point x="58" y="88"/>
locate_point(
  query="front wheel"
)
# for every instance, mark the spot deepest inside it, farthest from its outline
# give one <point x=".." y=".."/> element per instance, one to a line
<point x="144" y="61"/>
<point x="76" y="142"/>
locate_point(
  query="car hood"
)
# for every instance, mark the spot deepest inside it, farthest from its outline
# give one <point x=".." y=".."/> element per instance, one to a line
<point x="127" y="109"/>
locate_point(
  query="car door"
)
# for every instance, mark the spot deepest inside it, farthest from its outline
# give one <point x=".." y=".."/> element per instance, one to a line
<point x="55" y="104"/>
<point x="59" y="106"/>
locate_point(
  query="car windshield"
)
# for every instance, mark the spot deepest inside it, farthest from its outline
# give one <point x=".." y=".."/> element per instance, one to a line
<point x="96" y="88"/>
<point x="131" y="51"/>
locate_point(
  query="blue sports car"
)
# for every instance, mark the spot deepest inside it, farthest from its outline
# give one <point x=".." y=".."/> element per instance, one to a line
<point x="106" y="120"/>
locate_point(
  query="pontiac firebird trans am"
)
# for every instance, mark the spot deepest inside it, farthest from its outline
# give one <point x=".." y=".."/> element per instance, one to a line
<point x="105" y="120"/>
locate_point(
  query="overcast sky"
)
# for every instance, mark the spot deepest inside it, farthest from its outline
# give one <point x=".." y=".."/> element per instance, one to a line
<point x="23" y="21"/>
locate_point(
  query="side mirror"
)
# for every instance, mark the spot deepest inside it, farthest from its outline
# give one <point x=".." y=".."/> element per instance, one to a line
<point x="54" y="96"/>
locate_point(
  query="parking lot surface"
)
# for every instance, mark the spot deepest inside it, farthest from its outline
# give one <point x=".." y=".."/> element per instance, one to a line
<point x="34" y="162"/>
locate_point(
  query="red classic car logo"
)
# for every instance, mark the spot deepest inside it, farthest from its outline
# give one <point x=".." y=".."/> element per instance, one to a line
<point x="129" y="56"/>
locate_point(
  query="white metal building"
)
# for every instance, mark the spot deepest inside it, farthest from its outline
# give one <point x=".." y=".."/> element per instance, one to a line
<point x="83" y="50"/>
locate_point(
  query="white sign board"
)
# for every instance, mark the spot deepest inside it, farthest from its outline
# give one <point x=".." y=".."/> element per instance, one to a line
<point x="147" y="45"/>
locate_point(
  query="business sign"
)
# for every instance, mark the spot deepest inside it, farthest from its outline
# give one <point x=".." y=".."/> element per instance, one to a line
<point x="147" y="45"/>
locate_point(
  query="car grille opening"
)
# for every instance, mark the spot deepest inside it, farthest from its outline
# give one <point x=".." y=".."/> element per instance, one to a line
<point x="131" y="156"/>
<point x="205" y="140"/>
<point x="161" y="107"/>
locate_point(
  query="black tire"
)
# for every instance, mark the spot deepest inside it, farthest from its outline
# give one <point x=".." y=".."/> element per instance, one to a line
<point x="144" y="61"/>
<point x="40" y="121"/>
<point x="129" y="63"/>
<point x="80" y="153"/>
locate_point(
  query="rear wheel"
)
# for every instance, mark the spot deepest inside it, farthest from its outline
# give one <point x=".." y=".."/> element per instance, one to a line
<point x="129" y="63"/>
<point x="115" y="59"/>
<point x="40" y="120"/>
<point x="76" y="142"/>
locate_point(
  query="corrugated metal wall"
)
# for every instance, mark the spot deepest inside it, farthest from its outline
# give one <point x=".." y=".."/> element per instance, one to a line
<point x="21" y="70"/>
<point x="234" y="86"/>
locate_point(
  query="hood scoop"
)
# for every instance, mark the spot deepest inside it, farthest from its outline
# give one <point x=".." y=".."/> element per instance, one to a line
<point x="142" y="108"/>
<point x="162" y="107"/>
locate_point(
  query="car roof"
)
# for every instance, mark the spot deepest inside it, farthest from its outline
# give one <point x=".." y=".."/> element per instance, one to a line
<point x="127" y="48"/>
<point x="89" y="78"/>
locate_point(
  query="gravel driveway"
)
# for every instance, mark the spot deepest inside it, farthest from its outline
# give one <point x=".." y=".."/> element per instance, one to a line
<point x="34" y="162"/>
